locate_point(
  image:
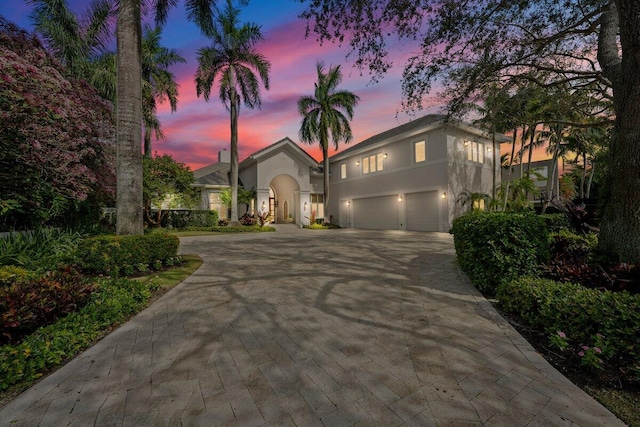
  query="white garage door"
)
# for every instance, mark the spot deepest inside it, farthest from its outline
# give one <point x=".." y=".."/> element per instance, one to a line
<point x="423" y="211"/>
<point x="377" y="213"/>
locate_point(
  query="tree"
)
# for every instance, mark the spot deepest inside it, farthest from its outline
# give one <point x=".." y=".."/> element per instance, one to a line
<point x="233" y="61"/>
<point x="325" y="116"/>
<point x="166" y="183"/>
<point x="56" y="148"/>
<point x="590" y="46"/>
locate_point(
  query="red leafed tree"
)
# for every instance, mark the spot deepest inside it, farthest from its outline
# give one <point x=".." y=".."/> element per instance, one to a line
<point x="56" y="137"/>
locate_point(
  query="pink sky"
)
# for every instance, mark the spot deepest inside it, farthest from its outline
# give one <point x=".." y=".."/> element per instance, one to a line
<point x="199" y="130"/>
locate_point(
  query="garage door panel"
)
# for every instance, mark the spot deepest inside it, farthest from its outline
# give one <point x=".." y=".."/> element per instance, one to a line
<point x="423" y="211"/>
<point x="376" y="213"/>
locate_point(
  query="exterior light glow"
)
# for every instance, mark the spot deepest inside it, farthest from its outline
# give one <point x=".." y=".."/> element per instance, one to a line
<point x="385" y="155"/>
<point x="399" y="198"/>
<point x="444" y="195"/>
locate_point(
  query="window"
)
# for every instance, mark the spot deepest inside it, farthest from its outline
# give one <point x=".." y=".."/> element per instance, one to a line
<point x="419" y="151"/>
<point x="373" y="163"/>
<point x="317" y="205"/>
<point x="478" y="204"/>
<point x="475" y="151"/>
<point x="343" y="171"/>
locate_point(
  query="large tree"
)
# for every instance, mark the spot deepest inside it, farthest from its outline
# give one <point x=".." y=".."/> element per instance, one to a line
<point x="325" y="117"/>
<point x="588" y="45"/>
<point x="233" y="61"/>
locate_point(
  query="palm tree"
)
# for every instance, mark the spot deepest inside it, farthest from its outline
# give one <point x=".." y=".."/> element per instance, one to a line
<point x="233" y="61"/>
<point x="158" y="83"/>
<point x="326" y="115"/>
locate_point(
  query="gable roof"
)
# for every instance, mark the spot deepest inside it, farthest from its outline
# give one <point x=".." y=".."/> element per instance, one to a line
<point x="215" y="174"/>
<point x="286" y="144"/>
<point x="420" y="125"/>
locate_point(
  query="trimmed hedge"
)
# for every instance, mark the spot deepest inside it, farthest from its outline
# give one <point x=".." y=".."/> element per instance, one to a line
<point x="556" y="222"/>
<point x="117" y="254"/>
<point x="189" y="218"/>
<point x="580" y="313"/>
<point x="112" y="303"/>
<point x="232" y="229"/>
<point x="497" y="247"/>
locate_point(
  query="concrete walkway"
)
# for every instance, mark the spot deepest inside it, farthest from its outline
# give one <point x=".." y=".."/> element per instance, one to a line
<point x="312" y="328"/>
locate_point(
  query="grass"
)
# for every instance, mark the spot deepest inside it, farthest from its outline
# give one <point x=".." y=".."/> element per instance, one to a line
<point x="623" y="403"/>
<point x="156" y="283"/>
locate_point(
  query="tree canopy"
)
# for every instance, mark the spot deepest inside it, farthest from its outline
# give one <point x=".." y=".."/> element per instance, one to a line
<point x="56" y="149"/>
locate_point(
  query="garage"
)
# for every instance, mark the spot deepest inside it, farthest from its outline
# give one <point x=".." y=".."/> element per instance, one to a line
<point x="376" y="213"/>
<point x="423" y="211"/>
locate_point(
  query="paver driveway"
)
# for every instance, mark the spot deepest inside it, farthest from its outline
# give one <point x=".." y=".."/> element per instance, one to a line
<point x="335" y="328"/>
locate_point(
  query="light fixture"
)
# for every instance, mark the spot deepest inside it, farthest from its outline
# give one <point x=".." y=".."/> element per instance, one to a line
<point x="399" y="198"/>
<point x="305" y="206"/>
<point x="466" y="143"/>
<point x="385" y="155"/>
<point x="348" y="203"/>
<point x="357" y="162"/>
<point x="263" y="205"/>
<point x="488" y="149"/>
<point x="444" y="195"/>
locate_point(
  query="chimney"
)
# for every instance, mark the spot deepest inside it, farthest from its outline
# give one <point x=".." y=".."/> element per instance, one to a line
<point x="224" y="156"/>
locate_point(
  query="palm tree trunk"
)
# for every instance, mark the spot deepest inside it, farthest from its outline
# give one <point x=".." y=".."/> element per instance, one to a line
<point x="584" y="174"/>
<point x="531" y="139"/>
<point x="325" y="174"/>
<point x="513" y="153"/>
<point x="234" y="106"/>
<point x="129" y="211"/>
<point x="551" y="176"/>
<point x="147" y="142"/>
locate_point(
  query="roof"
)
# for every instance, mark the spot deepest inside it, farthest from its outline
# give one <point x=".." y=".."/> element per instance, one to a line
<point x="422" y="124"/>
<point x="285" y="142"/>
<point x="215" y="174"/>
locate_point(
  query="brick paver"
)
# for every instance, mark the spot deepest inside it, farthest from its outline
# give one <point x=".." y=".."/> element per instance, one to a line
<point x="313" y="328"/>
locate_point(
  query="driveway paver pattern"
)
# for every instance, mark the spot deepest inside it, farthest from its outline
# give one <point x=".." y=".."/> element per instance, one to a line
<point x="313" y="328"/>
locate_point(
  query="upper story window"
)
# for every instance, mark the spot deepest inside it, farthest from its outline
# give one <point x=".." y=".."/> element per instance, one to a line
<point x="343" y="171"/>
<point x="419" y="151"/>
<point x="373" y="163"/>
<point x="475" y="151"/>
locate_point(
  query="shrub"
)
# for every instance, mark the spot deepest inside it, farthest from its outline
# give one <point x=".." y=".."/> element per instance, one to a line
<point x="496" y="247"/>
<point x="556" y="222"/>
<point x="116" y="254"/>
<point x="41" y="250"/>
<point x="233" y="229"/>
<point x="189" y="218"/>
<point x="10" y="274"/>
<point x="29" y="303"/>
<point x="586" y="316"/>
<point x="113" y="302"/>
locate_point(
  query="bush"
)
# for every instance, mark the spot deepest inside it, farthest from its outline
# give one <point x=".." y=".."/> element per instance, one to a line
<point x="29" y="303"/>
<point x="230" y="229"/>
<point x="497" y="247"/>
<point x="126" y="254"/>
<point x="39" y="250"/>
<point x="585" y="316"/>
<point x="556" y="222"/>
<point x="10" y="274"/>
<point x="189" y="218"/>
<point x="113" y="302"/>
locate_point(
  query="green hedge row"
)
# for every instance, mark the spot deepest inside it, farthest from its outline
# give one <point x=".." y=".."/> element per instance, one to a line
<point x="189" y="218"/>
<point x="125" y="254"/>
<point x="232" y="229"/>
<point x="580" y="313"/>
<point x="112" y="303"/>
<point x="497" y="247"/>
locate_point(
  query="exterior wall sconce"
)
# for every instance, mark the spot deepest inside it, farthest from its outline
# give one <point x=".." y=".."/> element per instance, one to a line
<point x="357" y="162"/>
<point x="444" y="195"/>
<point x="263" y="206"/>
<point x="348" y="203"/>
<point x="305" y="206"/>
<point x="466" y="143"/>
<point x="488" y="149"/>
<point x="399" y="198"/>
<point x="385" y="155"/>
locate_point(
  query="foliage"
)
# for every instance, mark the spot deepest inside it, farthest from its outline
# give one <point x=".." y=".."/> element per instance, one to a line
<point x="588" y="317"/>
<point x="112" y="302"/>
<point x="232" y="60"/>
<point x="516" y="193"/>
<point x="182" y="218"/>
<point x="231" y="229"/>
<point x="326" y="115"/>
<point x="248" y="220"/>
<point x="555" y="223"/>
<point x="315" y="226"/>
<point x="56" y="147"/>
<point x="126" y="254"/>
<point x="38" y="250"/>
<point x="29" y="303"/>
<point x="496" y="247"/>
<point x="166" y="184"/>
<point x="10" y="274"/>
<point x="262" y="217"/>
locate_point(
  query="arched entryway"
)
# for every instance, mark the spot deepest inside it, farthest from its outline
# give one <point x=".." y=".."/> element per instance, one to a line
<point x="285" y="204"/>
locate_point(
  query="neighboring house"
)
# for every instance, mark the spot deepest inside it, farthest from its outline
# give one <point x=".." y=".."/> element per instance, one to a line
<point x="410" y="177"/>
<point x="407" y="178"/>
<point x="287" y="180"/>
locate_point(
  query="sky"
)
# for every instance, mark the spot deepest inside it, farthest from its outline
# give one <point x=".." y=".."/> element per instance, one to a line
<point x="198" y="130"/>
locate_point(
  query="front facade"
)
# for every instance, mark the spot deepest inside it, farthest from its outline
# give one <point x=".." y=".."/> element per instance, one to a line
<point x="412" y="177"/>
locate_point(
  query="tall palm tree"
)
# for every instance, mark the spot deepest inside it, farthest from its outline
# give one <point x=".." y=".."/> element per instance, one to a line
<point x="233" y="61"/>
<point x="158" y="83"/>
<point x="326" y="115"/>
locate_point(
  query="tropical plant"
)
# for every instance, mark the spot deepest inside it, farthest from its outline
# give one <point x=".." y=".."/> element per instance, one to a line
<point x="246" y="195"/>
<point x="325" y="116"/>
<point x="232" y="60"/>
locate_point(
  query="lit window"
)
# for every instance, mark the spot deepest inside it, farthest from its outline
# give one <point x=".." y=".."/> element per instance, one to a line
<point x="317" y="205"/>
<point x="380" y="158"/>
<point x="372" y="163"/>
<point x="420" y="153"/>
<point x="365" y="165"/>
<point x="475" y="152"/>
<point x="343" y="171"/>
<point x="478" y="204"/>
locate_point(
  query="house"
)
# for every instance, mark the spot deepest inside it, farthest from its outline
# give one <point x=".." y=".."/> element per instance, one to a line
<point x="412" y="177"/>
<point x="540" y="171"/>
<point x="287" y="180"/>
